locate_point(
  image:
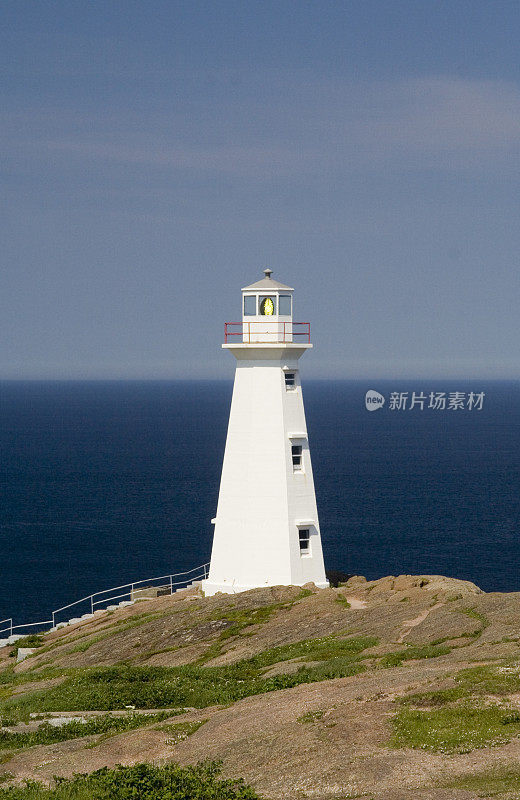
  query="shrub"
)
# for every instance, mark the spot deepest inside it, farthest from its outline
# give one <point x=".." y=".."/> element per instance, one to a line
<point x="143" y="781"/>
<point x="412" y="653"/>
<point x="46" y="733"/>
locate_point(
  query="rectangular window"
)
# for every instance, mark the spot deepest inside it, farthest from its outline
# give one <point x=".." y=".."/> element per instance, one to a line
<point x="290" y="380"/>
<point x="305" y="541"/>
<point x="249" y="305"/>
<point x="284" y="305"/>
<point x="297" y="459"/>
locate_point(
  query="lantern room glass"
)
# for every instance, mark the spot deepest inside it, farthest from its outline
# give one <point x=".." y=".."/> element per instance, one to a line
<point x="249" y="305"/>
<point x="284" y="305"/>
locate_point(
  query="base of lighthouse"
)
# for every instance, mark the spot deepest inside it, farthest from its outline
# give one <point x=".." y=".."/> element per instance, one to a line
<point x="266" y="528"/>
<point x="210" y="589"/>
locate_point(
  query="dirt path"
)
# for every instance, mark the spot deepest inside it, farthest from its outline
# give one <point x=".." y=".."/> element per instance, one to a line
<point x="412" y="623"/>
<point x="356" y="603"/>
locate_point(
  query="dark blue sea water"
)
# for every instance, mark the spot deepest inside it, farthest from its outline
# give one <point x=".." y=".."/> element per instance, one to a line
<point x="104" y="483"/>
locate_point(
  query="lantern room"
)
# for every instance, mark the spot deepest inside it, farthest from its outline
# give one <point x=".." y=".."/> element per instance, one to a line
<point x="267" y="311"/>
<point x="267" y="315"/>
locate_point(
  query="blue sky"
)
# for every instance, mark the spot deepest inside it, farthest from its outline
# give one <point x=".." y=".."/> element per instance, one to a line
<point x="156" y="156"/>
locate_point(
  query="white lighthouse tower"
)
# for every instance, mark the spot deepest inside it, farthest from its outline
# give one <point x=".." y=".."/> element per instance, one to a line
<point x="266" y="529"/>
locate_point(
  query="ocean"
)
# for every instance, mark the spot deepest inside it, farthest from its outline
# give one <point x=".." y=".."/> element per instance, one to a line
<point x="108" y="482"/>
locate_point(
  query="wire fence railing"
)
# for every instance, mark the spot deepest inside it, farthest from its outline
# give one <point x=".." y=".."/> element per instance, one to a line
<point x="87" y="606"/>
<point x="9" y="625"/>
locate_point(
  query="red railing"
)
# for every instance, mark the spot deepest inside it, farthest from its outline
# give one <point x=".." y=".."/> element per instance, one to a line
<point x="265" y="332"/>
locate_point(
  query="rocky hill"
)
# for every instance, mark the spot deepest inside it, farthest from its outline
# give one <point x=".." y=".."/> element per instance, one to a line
<point x="404" y="687"/>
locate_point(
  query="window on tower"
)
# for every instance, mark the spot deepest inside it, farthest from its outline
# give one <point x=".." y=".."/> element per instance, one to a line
<point x="290" y="380"/>
<point x="305" y="541"/>
<point x="249" y="305"/>
<point x="297" y="457"/>
<point x="284" y="305"/>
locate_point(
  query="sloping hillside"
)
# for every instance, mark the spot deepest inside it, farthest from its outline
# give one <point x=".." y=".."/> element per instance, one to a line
<point x="404" y="687"/>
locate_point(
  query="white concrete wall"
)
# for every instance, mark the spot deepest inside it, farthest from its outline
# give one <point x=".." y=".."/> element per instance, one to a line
<point x="256" y="540"/>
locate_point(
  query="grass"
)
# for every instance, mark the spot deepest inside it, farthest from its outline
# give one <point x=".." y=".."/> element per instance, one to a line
<point x="472" y="683"/>
<point x="8" y="675"/>
<point x="143" y="781"/>
<point x="83" y="646"/>
<point x="12" y="679"/>
<point x="310" y="716"/>
<point x="457" y="729"/>
<point x="86" y="639"/>
<point x="48" y="734"/>
<point x="240" y="619"/>
<point x="342" y="600"/>
<point x="33" y="640"/>
<point x="413" y="653"/>
<point x="440" y="697"/>
<point x="498" y="781"/>
<point x="195" y="685"/>
<point x="473" y="614"/>
<point x="500" y="679"/>
<point x="322" y="649"/>
<point x="181" y="731"/>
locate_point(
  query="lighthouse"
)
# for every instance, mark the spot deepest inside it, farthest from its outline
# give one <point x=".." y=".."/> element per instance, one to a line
<point x="267" y="531"/>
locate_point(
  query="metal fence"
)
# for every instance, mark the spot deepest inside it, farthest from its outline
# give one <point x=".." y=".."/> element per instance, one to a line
<point x="266" y="332"/>
<point x="147" y="587"/>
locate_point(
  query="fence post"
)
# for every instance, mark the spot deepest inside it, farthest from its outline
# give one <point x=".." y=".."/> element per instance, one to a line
<point x="171" y="584"/>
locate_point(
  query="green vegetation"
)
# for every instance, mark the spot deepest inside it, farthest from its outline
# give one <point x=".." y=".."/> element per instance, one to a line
<point x="240" y="619"/>
<point x="473" y="614"/>
<point x="116" y="687"/>
<point x="310" y="716"/>
<point x="143" y="781"/>
<point x="491" y="679"/>
<point x="412" y="653"/>
<point x="9" y="680"/>
<point x="457" y="729"/>
<point x="342" y="600"/>
<point x="47" y="733"/>
<point x="7" y="675"/>
<point x="181" y="731"/>
<point x="498" y="781"/>
<point x="472" y="683"/>
<point x="456" y="719"/>
<point x="86" y="639"/>
<point x="33" y="640"/>
<point x="322" y="649"/>
<point x="84" y="645"/>
<point x="441" y="697"/>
